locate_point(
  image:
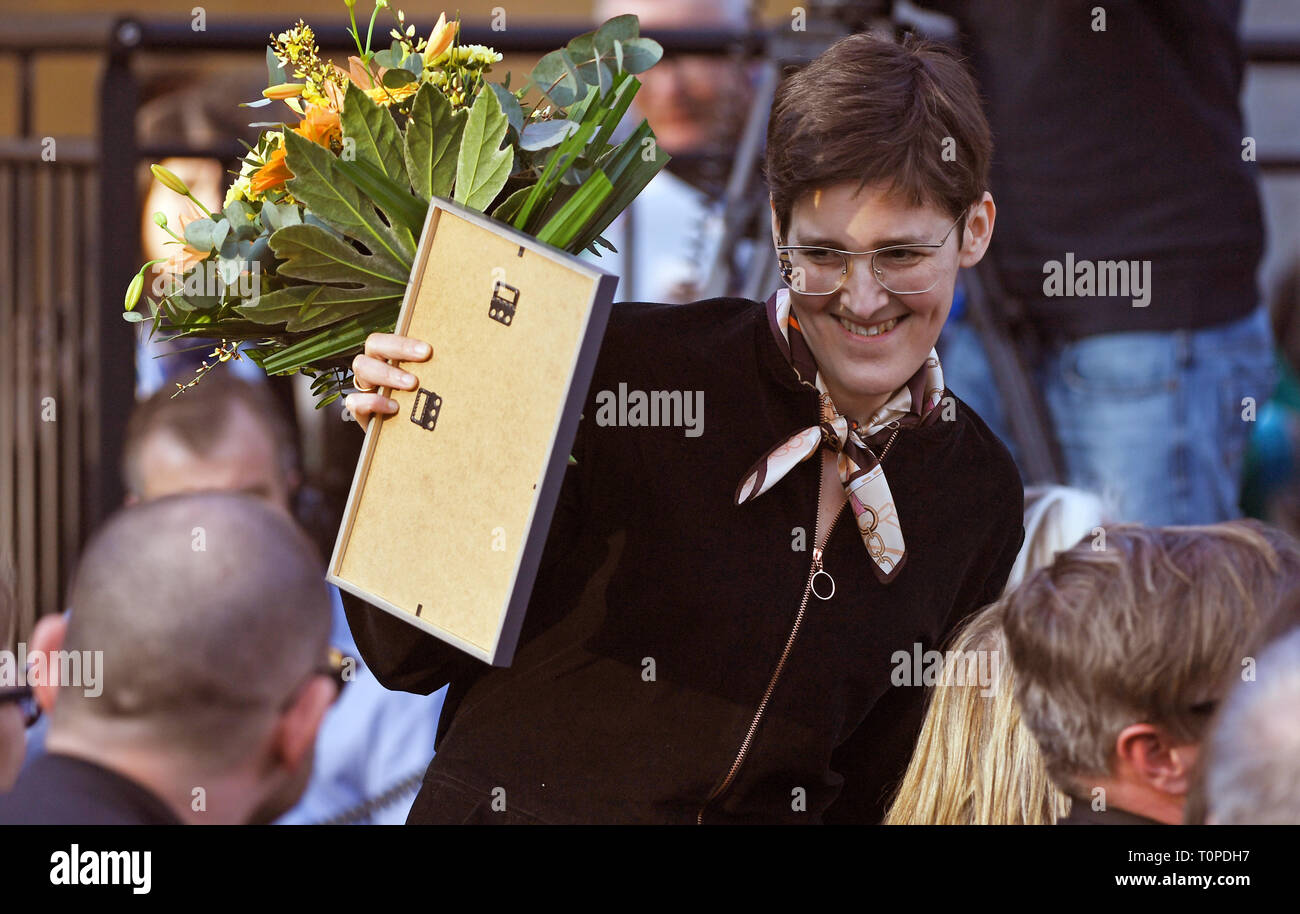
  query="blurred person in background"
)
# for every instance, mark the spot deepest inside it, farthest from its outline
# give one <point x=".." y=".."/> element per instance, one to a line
<point x="1120" y="139"/>
<point x="975" y="763"/>
<point x="696" y="104"/>
<point x="228" y="434"/>
<point x="1124" y="646"/>
<point x="205" y="619"/>
<point x="1253" y="769"/>
<point x="16" y="704"/>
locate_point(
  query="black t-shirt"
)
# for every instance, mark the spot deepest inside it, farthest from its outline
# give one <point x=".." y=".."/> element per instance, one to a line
<point x="1122" y="144"/>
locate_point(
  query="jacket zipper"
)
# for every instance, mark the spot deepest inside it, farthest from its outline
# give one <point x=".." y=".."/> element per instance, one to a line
<point x="819" y="545"/>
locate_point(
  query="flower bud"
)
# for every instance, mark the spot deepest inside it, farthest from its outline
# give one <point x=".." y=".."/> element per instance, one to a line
<point x="169" y="180"/>
<point x="283" y="91"/>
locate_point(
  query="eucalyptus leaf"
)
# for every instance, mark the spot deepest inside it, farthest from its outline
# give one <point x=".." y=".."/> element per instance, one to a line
<point x="640" y="54"/>
<point x="201" y="234"/>
<point x="620" y="28"/>
<point x="482" y="167"/>
<point x="557" y="78"/>
<point x="542" y="134"/>
<point x="509" y="106"/>
<point x="432" y="145"/>
<point x="396" y="77"/>
<point x="275" y="74"/>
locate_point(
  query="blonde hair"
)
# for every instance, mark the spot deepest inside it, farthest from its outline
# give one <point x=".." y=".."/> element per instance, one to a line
<point x="1056" y="517"/>
<point x="975" y="763"/>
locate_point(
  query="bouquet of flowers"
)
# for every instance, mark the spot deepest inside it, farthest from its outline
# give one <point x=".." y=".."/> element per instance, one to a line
<point x="313" y="248"/>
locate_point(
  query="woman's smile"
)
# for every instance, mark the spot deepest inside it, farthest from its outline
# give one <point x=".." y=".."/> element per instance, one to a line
<point x="870" y="333"/>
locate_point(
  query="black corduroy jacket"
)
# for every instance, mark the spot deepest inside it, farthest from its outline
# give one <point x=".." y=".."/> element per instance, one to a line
<point x="662" y="610"/>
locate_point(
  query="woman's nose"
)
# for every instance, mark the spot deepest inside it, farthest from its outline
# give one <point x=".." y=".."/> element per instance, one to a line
<point x="862" y="293"/>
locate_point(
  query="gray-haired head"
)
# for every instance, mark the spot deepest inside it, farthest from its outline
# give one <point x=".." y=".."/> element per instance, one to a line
<point x="1253" y="775"/>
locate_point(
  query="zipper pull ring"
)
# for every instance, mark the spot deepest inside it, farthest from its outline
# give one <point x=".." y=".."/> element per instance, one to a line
<point x="818" y="570"/>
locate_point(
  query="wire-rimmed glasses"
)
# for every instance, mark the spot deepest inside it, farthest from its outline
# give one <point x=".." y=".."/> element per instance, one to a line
<point x="904" y="269"/>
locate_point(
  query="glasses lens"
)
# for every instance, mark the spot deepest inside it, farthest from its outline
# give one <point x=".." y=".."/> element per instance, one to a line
<point x="813" y="271"/>
<point x="907" y="270"/>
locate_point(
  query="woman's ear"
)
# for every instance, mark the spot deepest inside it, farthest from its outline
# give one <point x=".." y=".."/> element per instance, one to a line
<point x="979" y="231"/>
<point x="776" y="230"/>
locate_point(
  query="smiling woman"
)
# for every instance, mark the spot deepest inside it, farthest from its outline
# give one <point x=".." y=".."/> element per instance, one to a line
<point x="704" y="643"/>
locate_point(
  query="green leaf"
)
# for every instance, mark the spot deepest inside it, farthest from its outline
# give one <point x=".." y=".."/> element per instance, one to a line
<point x="509" y="105"/>
<point x="396" y="77"/>
<point x="321" y="186"/>
<point x="132" y="317"/>
<point x="312" y="254"/>
<point x="541" y="134"/>
<point x="566" y="224"/>
<point x="345" y="339"/>
<point x="433" y="140"/>
<point x="394" y="199"/>
<point x="629" y="171"/>
<point x="205" y="234"/>
<point x="344" y="281"/>
<point x="482" y="167"/>
<point x="275" y="216"/>
<point x="372" y="128"/>
<point x="508" y="207"/>
<point x="559" y="162"/>
<point x="275" y="74"/>
<point x="640" y="54"/>
<point x="620" y="28"/>
<point x="557" y="78"/>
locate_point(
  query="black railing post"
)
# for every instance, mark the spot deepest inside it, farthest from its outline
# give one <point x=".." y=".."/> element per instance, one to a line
<point x="119" y="258"/>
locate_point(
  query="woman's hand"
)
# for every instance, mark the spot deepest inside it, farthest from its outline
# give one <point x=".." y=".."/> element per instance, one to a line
<point x="370" y="370"/>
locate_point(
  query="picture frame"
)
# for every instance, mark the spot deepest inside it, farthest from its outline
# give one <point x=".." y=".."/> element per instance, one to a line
<point x="456" y="491"/>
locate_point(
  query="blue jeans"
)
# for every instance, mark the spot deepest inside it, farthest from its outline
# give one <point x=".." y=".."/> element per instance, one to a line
<point x="1155" y="423"/>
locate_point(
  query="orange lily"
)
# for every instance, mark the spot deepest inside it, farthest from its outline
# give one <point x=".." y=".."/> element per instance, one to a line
<point x="321" y="126"/>
<point x="271" y="175"/>
<point x="441" y="37"/>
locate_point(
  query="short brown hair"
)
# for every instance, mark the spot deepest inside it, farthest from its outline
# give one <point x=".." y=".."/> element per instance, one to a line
<point x="198" y="418"/>
<point x="872" y="110"/>
<point x="1149" y="624"/>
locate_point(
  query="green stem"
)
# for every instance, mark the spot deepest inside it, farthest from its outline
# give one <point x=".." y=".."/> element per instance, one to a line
<point x="352" y="14"/>
<point x="207" y="212"/>
<point x="370" y="31"/>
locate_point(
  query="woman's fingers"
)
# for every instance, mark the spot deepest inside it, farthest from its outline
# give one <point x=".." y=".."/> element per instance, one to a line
<point x="394" y="346"/>
<point x="371" y="372"/>
<point x="363" y="406"/>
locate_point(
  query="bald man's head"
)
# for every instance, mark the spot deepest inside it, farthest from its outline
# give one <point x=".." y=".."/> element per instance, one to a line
<point x="210" y="610"/>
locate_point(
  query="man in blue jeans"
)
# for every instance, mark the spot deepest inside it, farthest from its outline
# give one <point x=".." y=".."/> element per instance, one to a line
<point x="1154" y="422"/>
<point x="1129" y="226"/>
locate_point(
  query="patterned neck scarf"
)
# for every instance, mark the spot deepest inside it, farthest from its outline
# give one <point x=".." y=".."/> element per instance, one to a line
<point x="913" y="404"/>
